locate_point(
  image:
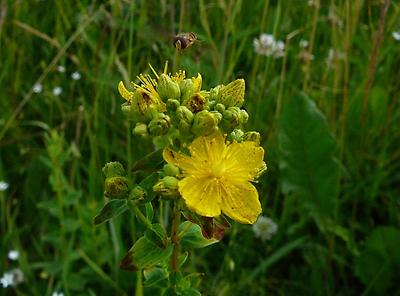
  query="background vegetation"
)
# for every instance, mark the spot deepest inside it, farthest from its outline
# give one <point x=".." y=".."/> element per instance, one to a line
<point x="330" y="128"/>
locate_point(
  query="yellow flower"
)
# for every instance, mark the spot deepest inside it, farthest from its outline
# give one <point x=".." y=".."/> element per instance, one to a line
<point x="217" y="176"/>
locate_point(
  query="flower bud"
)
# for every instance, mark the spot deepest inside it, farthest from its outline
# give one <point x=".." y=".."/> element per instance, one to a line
<point x="159" y="125"/>
<point x="204" y="123"/>
<point x="167" y="186"/>
<point x="196" y="103"/>
<point x="170" y="170"/>
<point x="236" y="135"/>
<point x="252" y="137"/>
<point x="231" y="119"/>
<point x="219" y="107"/>
<point x="244" y="116"/>
<point x="116" y="187"/>
<point x="167" y="88"/>
<point x="172" y="105"/>
<point x="232" y="95"/>
<point x="137" y="193"/>
<point x="190" y="86"/>
<point x="184" y="118"/>
<point x="141" y="129"/>
<point x="215" y="93"/>
<point x="113" y="169"/>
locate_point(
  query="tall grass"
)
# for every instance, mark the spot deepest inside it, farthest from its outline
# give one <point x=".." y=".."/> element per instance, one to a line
<point x="52" y="148"/>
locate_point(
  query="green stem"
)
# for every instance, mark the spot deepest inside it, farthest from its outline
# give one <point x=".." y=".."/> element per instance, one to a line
<point x="174" y="237"/>
<point x="139" y="214"/>
<point x="139" y="283"/>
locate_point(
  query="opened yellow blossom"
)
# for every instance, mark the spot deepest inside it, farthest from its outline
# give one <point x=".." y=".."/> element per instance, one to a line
<point x="217" y="176"/>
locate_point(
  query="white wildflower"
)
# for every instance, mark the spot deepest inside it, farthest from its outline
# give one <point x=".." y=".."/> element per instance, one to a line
<point x="57" y="91"/>
<point x="37" y="88"/>
<point x="303" y="43"/>
<point x="334" y="56"/>
<point x="268" y="46"/>
<point x="396" y="35"/>
<point x="3" y="186"/>
<point x="265" y="228"/>
<point x="12" y="278"/>
<point x="76" y="75"/>
<point x="55" y="293"/>
<point x="61" y="69"/>
<point x="13" y="255"/>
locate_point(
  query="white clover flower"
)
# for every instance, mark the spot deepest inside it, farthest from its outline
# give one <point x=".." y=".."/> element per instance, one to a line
<point x="12" y="278"/>
<point x="76" y="75"/>
<point x="264" y="45"/>
<point x="279" y="49"/>
<point x="396" y="35"/>
<point x="303" y="43"/>
<point x="37" y="88"/>
<point x="55" y="293"/>
<point x="57" y="91"/>
<point x="264" y="228"/>
<point x="61" y="69"/>
<point x="13" y="255"/>
<point x="3" y="186"/>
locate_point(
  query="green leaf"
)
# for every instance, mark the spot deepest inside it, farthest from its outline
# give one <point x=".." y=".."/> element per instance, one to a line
<point x="157" y="235"/>
<point x="151" y="161"/>
<point x="191" y="237"/>
<point x="307" y="164"/>
<point x="113" y="208"/>
<point x="149" y="211"/>
<point x="145" y="254"/>
<point x="378" y="265"/>
<point x="147" y="184"/>
<point x="155" y="276"/>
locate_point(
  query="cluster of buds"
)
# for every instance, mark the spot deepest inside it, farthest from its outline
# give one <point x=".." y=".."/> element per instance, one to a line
<point x="170" y="107"/>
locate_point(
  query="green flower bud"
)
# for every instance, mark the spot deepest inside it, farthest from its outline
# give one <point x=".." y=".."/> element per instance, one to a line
<point x="196" y="103"/>
<point x="116" y="187"/>
<point x="183" y="113"/>
<point x="215" y="93"/>
<point x="252" y="137"/>
<point x="140" y="105"/>
<point x="167" y="186"/>
<point x="244" y="116"/>
<point x="113" y="169"/>
<point x="217" y="115"/>
<point x="172" y="105"/>
<point x="232" y="95"/>
<point x="190" y="86"/>
<point x="205" y="123"/>
<point x="137" y="193"/>
<point x="219" y="107"/>
<point x="159" y="125"/>
<point x="170" y="170"/>
<point x="141" y="129"/>
<point x="167" y="88"/>
<point x="231" y="119"/>
<point x="236" y="135"/>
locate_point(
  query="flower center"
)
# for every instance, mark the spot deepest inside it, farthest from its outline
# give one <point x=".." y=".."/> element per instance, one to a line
<point x="218" y="170"/>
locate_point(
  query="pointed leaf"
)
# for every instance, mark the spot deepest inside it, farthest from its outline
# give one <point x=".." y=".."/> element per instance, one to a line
<point x="191" y="237"/>
<point x="307" y="163"/>
<point x="153" y="160"/>
<point x="113" y="208"/>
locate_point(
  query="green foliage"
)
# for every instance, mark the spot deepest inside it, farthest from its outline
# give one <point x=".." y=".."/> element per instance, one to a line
<point x="307" y="163"/>
<point x="52" y="148"/>
<point x="111" y="209"/>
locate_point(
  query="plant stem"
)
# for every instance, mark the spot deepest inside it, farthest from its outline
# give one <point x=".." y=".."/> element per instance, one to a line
<point x="174" y="236"/>
<point x="139" y="283"/>
<point x="139" y="214"/>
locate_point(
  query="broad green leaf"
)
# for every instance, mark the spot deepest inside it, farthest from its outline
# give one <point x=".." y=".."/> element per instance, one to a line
<point x="151" y="161"/>
<point x="145" y="254"/>
<point x="157" y="235"/>
<point x="307" y="164"/>
<point x="378" y="265"/>
<point x="155" y="276"/>
<point x="191" y="237"/>
<point x="113" y="208"/>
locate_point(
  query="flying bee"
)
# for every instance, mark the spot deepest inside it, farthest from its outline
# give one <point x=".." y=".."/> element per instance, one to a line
<point x="184" y="40"/>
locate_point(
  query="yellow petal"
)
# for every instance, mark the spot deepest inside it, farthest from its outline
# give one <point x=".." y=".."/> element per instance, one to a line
<point x="208" y="149"/>
<point x="240" y="201"/>
<point x="243" y="161"/>
<point x="202" y="195"/>
<point x="126" y="94"/>
<point x="180" y="160"/>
